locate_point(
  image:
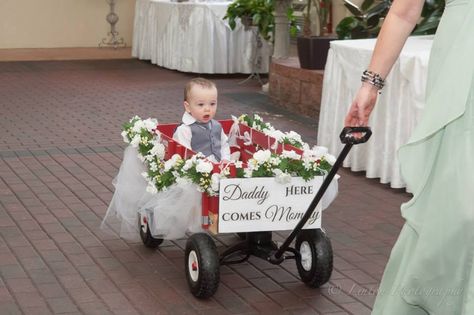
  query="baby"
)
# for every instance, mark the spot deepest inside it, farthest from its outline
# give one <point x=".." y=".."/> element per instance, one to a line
<point x="199" y="131"/>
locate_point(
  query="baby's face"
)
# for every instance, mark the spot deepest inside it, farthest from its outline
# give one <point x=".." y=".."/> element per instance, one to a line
<point x="202" y="103"/>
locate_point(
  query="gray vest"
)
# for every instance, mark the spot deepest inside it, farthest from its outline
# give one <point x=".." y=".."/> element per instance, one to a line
<point x="206" y="138"/>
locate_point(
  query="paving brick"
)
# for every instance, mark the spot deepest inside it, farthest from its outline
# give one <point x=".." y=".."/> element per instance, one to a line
<point x="62" y="305"/>
<point x="56" y="185"/>
<point x="20" y="285"/>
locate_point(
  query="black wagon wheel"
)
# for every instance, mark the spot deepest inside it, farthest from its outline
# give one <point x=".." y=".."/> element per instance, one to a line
<point x="145" y="233"/>
<point x="316" y="258"/>
<point x="201" y="262"/>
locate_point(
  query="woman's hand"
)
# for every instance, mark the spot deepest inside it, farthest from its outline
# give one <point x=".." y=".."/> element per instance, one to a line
<point x="362" y="106"/>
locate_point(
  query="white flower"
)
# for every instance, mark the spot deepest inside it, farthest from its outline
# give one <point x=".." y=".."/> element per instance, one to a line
<point x="262" y="156"/>
<point x="277" y="171"/>
<point x="294" y="136"/>
<point x="215" y="179"/>
<point x="188" y="164"/>
<point x="252" y="164"/>
<point x="198" y="155"/>
<point x="151" y="188"/>
<point x="319" y="151"/>
<point x="248" y="173"/>
<point x="283" y="178"/>
<point x="125" y="137"/>
<point x="150" y="124"/>
<point x="144" y="174"/>
<point x="153" y="166"/>
<point x="275" y="160"/>
<point x="158" y="150"/>
<point x="290" y="155"/>
<point x="169" y="164"/>
<point x="277" y="134"/>
<point x="257" y="117"/>
<point x="135" y="141"/>
<point x="238" y="164"/>
<point x="176" y="157"/>
<point x="307" y="163"/>
<point x="204" y="166"/>
<point x="144" y="140"/>
<point x="330" y="158"/>
<point x="138" y="126"/>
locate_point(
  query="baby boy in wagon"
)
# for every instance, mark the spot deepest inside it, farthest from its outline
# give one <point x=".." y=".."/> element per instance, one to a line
<point x="199" y="131"/>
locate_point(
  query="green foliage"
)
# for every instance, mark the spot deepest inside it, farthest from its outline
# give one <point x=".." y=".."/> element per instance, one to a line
<point x="366" y="20"/>
<point x="431" y="15"/>
<point x="257" y="13"/>
<point x="162" y="172"/>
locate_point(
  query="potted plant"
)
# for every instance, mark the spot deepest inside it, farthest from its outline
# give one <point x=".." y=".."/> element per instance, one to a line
<point x="258" y="13"/>
<point x="367" y="19"/>
<point x="313" y="46"/>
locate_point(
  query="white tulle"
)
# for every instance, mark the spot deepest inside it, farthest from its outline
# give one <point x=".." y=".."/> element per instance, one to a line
<point x="172" y="213"/>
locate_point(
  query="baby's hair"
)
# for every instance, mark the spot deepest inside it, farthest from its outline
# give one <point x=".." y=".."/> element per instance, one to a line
<point x="205" y="83"/>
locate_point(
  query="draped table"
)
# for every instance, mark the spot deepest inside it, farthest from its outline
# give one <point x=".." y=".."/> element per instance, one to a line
<point x="193" y="37"/>
<point x="397" y="111"/>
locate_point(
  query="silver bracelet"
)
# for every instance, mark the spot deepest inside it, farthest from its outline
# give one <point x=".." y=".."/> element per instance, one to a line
<point x="373" y="78"/>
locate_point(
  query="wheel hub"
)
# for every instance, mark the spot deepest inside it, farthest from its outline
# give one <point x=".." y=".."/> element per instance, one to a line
<point x="193" y="266"/>
<point x="143" y="223"/>
<point x="306" y="256"/>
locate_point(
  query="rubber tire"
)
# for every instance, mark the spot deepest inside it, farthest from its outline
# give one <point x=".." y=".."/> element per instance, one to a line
<point x="208" y="261"/>
<point x="321" y="254"/>
<point x="147" y="239"/>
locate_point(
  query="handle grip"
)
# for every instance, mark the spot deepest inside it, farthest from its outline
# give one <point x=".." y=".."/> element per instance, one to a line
<point x="347" y="135"/>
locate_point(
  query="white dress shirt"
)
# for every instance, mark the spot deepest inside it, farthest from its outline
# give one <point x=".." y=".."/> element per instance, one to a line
<point x="183" y="135"/>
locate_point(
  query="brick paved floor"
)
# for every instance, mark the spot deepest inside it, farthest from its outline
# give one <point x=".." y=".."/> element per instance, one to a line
<point x="60" y="148"/>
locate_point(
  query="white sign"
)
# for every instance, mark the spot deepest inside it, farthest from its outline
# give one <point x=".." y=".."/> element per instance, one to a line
<point x="263" y="204"/>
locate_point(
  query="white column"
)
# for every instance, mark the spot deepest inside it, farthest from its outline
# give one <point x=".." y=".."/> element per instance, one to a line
<point x="282" y="29"/>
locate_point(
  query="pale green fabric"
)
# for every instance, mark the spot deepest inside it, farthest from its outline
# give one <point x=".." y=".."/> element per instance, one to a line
<point x="430" y="270"/>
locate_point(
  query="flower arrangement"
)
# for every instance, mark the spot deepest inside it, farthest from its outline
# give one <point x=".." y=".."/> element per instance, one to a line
<point x="161" y="173"/>
<point x="256" y="122"/>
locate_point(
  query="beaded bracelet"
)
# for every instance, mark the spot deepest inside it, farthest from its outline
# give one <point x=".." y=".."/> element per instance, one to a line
<point x="373" y="78"/>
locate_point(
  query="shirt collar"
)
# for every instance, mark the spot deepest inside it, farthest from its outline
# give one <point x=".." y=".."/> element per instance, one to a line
<point x="188" y="119"/>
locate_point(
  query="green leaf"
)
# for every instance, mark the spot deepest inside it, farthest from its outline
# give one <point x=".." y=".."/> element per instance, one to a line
<point x="345" y="27"/>
<point x="366" y="4"/>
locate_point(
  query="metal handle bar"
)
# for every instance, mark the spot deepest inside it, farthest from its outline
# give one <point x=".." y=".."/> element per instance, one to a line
<point x="347" y="137"/>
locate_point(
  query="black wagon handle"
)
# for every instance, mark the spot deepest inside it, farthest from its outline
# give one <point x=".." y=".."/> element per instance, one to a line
<point x="349" y="136"/>
<point x="355" y="135"/>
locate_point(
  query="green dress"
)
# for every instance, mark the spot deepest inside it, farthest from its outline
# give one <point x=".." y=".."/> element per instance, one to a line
<point x="430" y="270"/>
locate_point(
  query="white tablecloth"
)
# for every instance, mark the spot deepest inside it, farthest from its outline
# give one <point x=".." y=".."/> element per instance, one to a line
<point x="193" y="37"/>
<point x="396" y="113"/>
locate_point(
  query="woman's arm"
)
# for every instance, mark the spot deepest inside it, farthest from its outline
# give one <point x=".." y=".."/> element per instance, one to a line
<point x="400" y="21"/>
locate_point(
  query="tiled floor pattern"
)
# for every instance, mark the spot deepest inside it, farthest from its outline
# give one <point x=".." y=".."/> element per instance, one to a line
<point x="60" y="148"/>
